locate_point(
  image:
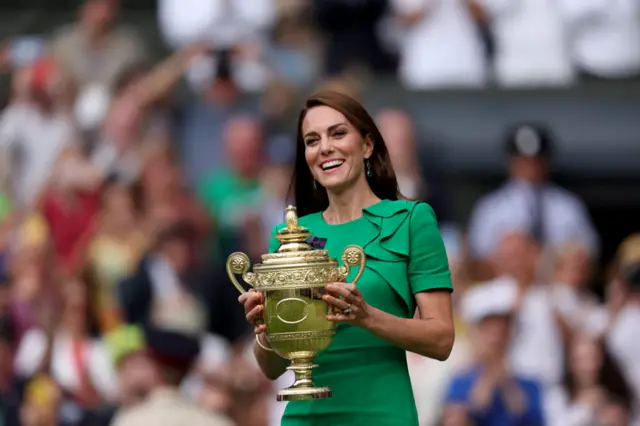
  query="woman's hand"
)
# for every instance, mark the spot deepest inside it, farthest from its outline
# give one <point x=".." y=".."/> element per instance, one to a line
<point x="253" y="303"/>
<point x="348" y="303"/>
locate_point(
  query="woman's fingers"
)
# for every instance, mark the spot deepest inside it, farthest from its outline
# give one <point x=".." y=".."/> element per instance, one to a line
<point x="338" y="317"/>
<point x="334" y="301"/>
<point x="342" y="289"/>
<point x="259" y="329"/>
<point x="250" y="300"/>
<point x="255" y="314"/>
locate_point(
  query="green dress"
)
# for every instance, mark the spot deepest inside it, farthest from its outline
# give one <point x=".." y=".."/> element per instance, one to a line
<point x="368" y="375"/>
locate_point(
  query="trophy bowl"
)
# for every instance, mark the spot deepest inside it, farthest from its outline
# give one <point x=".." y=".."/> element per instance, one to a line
<point x="292" y="280"/>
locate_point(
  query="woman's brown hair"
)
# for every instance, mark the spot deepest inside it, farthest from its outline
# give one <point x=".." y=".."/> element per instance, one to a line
<point x="312" y="199"/>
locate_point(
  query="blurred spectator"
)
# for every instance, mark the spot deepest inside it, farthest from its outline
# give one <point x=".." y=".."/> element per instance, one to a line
<point x="34" y="130"/>
<point x="114" y="251"/>
<point x="233" y="195"/>
<point x="525" y="56"/>
<point x="490" y="393"/>
<point x="604" y="37"/>
<point x="294" y="55"/>
<point x="11" y="386"/>
<point x="166" y="200"/>
<point x="439" y="47"/>
<point x="235" y="31"/>
<point x="578" y="309"/>
<point x="70" y="214"/>
<point x="167" y="290"/>
<point x="528" y="201"/>
<point x="350" y="28"/>
<point x="592" y="380"/>
<point x="78" y="361"/>
<point x="537" y="346"/>
<point x="623" y="300"/>
<point x="414" y="180"/>
<point x="94" y="51"/>
<point x="172" y="354"/>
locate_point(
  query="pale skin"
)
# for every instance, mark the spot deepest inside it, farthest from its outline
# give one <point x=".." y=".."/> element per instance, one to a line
<point x="328" y="135"/>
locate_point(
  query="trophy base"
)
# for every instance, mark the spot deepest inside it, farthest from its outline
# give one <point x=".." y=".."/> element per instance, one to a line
<point x="301" y="394"/>
<point x="302" y="389"/>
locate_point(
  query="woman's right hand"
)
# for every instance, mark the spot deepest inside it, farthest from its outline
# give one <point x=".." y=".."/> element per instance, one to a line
<point x="253" y="303"/>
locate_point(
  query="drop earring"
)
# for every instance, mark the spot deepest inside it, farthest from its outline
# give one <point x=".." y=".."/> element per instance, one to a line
<point x="368" y="166"/>
<point x="314" y="185"/>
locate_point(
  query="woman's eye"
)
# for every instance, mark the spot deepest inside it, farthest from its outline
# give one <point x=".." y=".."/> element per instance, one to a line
<point x="339" y="133"/>
<point x="310" y="141"/>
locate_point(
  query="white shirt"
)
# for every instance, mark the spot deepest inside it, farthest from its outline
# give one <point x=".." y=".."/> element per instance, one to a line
<point x="537" y="350"/>
<point x="623" y="341"/>
<point x="531" y="43"/>
<point x="565" y="218"/>
<point x="221" y="24"/>
<point x="99" y="367"/>
<point x="605" y="36"/>
<point x="40" y="138"/>
<point x="442" y="49"/>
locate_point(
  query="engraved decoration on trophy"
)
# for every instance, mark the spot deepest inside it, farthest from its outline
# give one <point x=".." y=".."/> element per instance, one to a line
<point x="292" y="280"/>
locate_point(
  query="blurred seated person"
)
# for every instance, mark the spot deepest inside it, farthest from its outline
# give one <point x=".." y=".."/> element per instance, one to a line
<point x="77" y="360"/>
<point x="114" y="251"/>
<point x="592" y="380"/>
<point x="93" y="49"/>
<point x="165" y="199"/>
<point x="11" y="385"/>
<point x="35" y="129"/>
<point x="537" y="349"/>
<point x="233" y="196"/>
<point x="415" y="181"/>
<point x="167" y="291"/>
<point x="489" y="392"/>
<point x="426" y="62"/>
<point x="134" y="367"/>
<point x="623" y="305"/>
<point x="71" y="212"/>
<point x="578" y="307"/>
<point x="528" y="202"/>
<point x="172" y="356"/>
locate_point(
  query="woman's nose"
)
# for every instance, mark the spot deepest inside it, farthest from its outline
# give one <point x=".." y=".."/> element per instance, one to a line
<point x="325" y="145"/>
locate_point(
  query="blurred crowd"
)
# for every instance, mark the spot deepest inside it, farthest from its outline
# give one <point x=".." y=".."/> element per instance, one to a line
<point x="121" y="196"/>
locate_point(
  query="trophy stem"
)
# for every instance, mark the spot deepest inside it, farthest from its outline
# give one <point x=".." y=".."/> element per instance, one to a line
<point x="302" y="388"/>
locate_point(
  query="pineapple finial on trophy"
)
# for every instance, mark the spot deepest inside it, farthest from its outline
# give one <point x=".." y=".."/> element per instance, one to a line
<point x="291" y="218"/>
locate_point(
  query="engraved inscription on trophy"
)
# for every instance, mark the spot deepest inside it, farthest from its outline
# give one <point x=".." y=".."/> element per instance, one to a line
<point x="292" y="310"/>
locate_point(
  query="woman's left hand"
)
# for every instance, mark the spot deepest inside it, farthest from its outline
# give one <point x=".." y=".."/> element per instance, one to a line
<point x="351" y="307"/>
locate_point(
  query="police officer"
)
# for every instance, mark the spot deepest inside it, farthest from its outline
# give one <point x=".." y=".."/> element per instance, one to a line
<point x="528" y="202"/>
<point x="173" y="354"/>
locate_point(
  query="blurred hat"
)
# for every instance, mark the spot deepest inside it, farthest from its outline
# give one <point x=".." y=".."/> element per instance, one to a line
<point x="172" y="349"/>
<point x="529" y="140"/>
<point x="497" y="297"/>
<point x="124" y="341"/>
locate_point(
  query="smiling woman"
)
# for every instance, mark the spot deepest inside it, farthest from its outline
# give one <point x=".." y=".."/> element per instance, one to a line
<point x="345" y="187"/>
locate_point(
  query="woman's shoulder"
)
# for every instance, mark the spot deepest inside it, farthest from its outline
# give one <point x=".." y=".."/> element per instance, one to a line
<point x="388" y="208"/>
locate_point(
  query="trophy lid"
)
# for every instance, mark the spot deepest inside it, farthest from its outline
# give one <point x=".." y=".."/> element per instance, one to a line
<point x="294" y="247"/>
<point x="293" y="237"/>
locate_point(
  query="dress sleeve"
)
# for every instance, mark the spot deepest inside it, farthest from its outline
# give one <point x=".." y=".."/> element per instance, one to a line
<point x="428" y="263"/>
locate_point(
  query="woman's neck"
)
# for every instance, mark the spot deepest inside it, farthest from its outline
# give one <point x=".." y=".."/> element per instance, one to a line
<point x="347" y="206"/>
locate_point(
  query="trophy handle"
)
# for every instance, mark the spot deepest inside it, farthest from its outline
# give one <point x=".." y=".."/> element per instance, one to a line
<point x="353" y="256"/>
<point x="238" y="264"/>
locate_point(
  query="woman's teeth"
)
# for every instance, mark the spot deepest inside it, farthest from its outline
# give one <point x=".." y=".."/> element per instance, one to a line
<point x="332" y="164"/>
